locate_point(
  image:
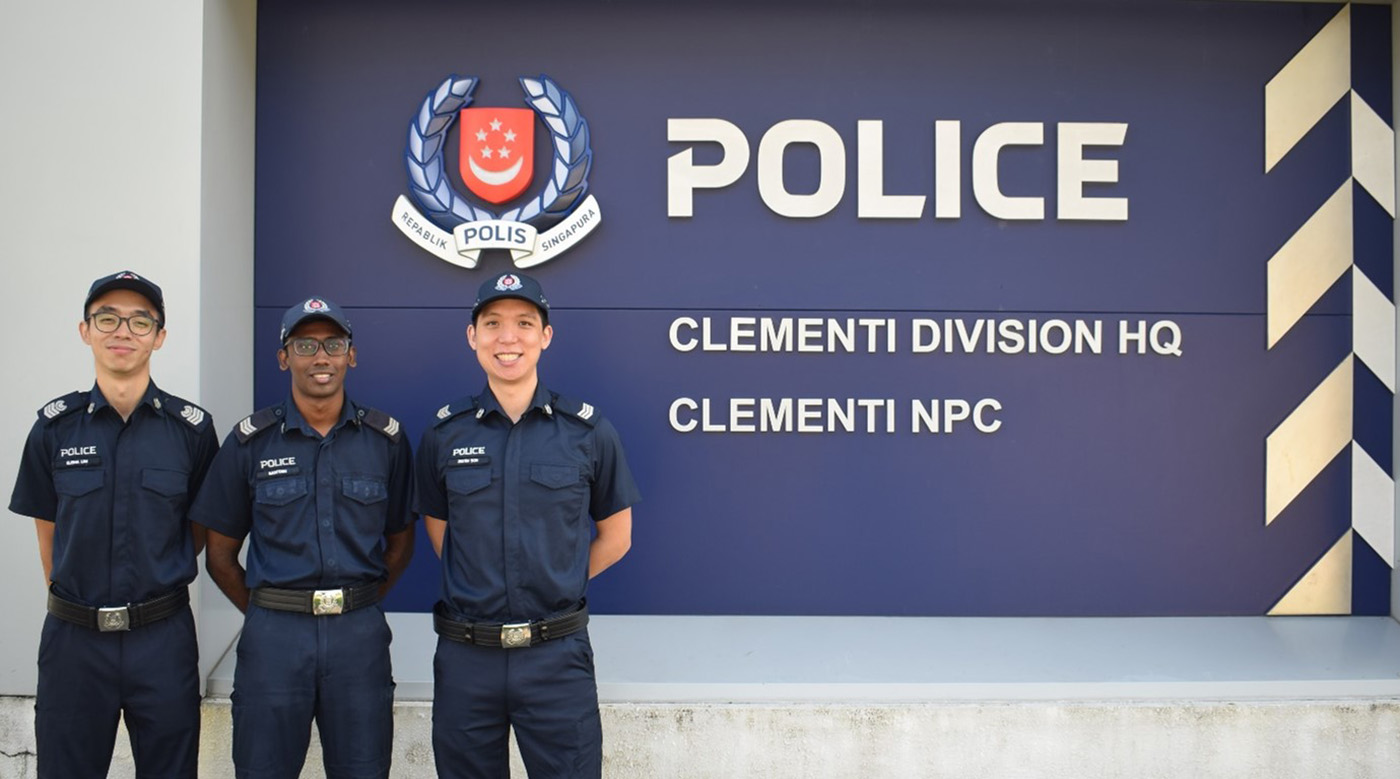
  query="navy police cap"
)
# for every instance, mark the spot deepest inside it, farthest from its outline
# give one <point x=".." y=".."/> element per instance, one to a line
<point x="313" y="308"/>
<point x="511" y="285"/>
<point x="127" y="280"/>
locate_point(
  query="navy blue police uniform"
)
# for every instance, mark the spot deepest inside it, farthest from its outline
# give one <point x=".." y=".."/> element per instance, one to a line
<point x="315" y="643"/>
<point x="513" y="647"/>
<point x="119" y="639"/>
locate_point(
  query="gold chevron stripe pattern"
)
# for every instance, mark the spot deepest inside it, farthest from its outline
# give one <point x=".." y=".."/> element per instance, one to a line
<point x="1308" y="264"/>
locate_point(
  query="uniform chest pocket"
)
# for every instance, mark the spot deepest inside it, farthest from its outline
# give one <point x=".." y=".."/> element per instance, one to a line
<point x="165" y="482"/>
<point x="78" y="481"/>
<point x="364" y="490"/>
<point x="280" y="492"/>
<point x="554" y="475"/>
<point x="464" y="481"/>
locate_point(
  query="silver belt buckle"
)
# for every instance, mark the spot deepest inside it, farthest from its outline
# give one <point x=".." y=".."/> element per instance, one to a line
<point x="113" y="619"/>
<point x="515" y="635"/>
<point x="325" y="602"/>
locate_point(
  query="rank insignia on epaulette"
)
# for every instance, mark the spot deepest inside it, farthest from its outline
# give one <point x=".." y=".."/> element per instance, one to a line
<point x="193" y="414"/>
<point x="59" y="406"/>
<point x="382" y="422"/>
<point x="255" y="423"/>
<point x="584" y="412"/>
<point x="459" y="406"/>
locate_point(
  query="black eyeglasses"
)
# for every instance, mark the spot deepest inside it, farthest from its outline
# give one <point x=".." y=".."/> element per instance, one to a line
<point x="138" y="324"/>
<point x="307" y="347"/>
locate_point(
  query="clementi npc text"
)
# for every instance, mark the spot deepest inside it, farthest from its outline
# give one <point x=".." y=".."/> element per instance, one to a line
<point x="830" y="415"/>
<point x="873" y="335"/>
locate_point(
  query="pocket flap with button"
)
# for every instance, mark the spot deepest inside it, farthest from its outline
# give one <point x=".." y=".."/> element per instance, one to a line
<point x="280" y="492"/>
<point x="553" y="475"/>
<point x="77" y="481"/>
<point x="364" y="490"/>
<point x="165" y="482"/>
<point x="467" y="480"/>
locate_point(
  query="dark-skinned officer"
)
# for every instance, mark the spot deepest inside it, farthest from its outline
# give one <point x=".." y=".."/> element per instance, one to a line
<point x="526" y="495"/>
<point x="320" y="486"/>
<point x="108" y="474"/>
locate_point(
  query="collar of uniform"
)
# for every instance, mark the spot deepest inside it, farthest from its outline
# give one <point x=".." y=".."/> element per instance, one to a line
<point x="541" y="401"/>
<point x="292" y="418"/>
<point x="152" y="398"/>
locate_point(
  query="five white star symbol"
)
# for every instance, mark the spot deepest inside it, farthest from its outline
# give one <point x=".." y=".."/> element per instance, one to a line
<point x="504" y="151"/>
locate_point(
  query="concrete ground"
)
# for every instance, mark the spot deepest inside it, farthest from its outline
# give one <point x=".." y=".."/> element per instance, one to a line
<point x="800" y="697"/>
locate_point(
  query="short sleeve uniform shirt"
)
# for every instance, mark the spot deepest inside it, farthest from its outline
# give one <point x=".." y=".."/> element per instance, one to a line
<point x="316" y="507"/>
<point x="117" y="491"/>
<point x="519" y="500"/>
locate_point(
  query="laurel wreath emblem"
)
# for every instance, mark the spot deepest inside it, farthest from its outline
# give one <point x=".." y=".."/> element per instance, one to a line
<point x="427" y="134"/>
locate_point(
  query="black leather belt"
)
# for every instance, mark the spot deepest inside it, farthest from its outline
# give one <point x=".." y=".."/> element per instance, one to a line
<point x="511" y="635"/>
<point x="318" y="602"/>
<point x="109" y="619"/>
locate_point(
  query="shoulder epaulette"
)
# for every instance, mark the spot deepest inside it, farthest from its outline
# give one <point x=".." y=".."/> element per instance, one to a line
<point x="577" y="409"/>
<point x="195" y="416"/>
<point x="67" y="404"/>
<point x="257" y="422"/>
<point x="459" y="406"/>
<point x="382" y="422"/>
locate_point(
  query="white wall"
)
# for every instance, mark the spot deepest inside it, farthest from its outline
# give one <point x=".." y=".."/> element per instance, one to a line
<point x="105" y="143"/>
<point x="226" y="248"/>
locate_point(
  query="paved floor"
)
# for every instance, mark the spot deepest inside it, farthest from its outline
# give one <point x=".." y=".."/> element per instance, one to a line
<point x="843" y="659"/>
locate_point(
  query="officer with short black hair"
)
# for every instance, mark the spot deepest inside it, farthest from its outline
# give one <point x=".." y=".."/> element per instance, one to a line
<point x="108" y="474"/>
<point x="526" y="495"/>
<point x="320" y="485"/>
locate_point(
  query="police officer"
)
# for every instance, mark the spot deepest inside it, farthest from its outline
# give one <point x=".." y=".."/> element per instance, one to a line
<point x="108" y="475"/>
<point x="525" y="495"/>
<point x="321" y="486"/>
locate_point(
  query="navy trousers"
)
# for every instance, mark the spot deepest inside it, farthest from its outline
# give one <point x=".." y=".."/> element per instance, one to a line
<point x="546" y="692"/>
<point x="293" y="668"/>
<point x="87" y="680"/>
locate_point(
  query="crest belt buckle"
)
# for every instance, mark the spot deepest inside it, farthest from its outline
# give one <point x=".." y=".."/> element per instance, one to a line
<point x="113" y="619"/>
<point x="325" y="602"/>
<point x="516" y="635"/>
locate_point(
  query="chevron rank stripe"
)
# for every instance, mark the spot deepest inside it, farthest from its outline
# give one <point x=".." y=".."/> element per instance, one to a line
<point x="246" y="427"/>
<point x="192" y="415"/>
<point x="1301" y="272"/>
<point x="54" y="409"/>
<point x="392" y="428"/>
<point x="445" y="411"/>
<point x="585" y="411"/>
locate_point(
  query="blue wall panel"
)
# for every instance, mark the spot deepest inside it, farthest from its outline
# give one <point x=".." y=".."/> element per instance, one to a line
<point x="1116" y="484"/>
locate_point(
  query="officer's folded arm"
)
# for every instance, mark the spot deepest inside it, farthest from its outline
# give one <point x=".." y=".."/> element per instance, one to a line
<point x="199" y="537"/>
<point x="221" y="560"/>
<point x="612" y="542"/>
<point x="398" y="550"/>
<point x="44" y="527"/>
<point x="435" y="528"/>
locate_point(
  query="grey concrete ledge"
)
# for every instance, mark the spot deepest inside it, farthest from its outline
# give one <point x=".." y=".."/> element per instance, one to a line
<point x="717" y="659"/>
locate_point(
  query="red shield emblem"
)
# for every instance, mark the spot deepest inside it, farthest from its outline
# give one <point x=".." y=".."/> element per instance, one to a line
<point x="497" y="153"/>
